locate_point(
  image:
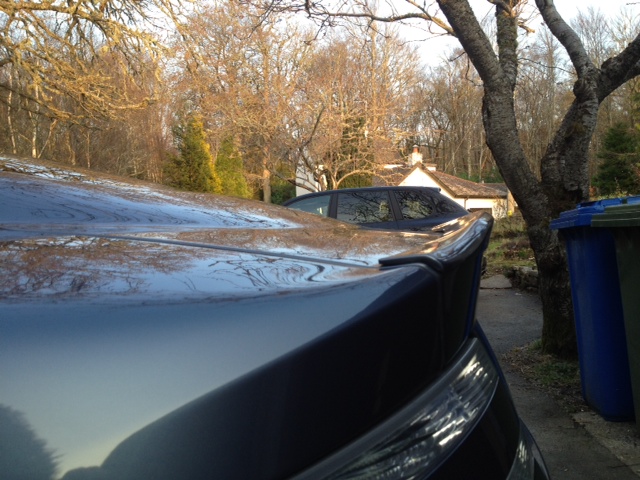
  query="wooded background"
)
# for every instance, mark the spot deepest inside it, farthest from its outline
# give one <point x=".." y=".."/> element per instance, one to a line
<point x="135" y="91"/>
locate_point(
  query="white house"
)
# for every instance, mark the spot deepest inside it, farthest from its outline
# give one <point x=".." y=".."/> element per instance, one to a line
<point x="494" y="198"/>
<point x="306" y="182"/>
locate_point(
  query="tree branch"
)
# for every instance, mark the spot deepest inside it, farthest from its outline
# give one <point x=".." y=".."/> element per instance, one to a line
<point x="317" y="11"/>
<point x="507" y="37"/>
<point x="473" y="39"/>
<point x="567" y="37"/>
<point x="619" y="69"/>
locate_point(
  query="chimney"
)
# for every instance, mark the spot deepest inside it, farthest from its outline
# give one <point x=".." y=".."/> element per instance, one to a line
<point x="415" y="157"/>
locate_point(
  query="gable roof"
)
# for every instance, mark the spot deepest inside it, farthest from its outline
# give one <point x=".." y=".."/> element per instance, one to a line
<point x="461" y="188"/>
<point x="454" y="186"/>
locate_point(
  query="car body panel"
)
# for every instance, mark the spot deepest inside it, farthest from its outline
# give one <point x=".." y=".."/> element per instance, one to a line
<point x="148" y="333"/>
<point x="109" y="367"/>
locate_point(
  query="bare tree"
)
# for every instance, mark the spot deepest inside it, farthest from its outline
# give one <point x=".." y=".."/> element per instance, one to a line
<point x="290" y="99"/>
<point x="57" y="57"/>
<point x="542" y="95"/>
<point x="594" y="29"/>
<point x="454" y="95"/>
<point x="244" y="76"/>
<point x="79" y="82"/>
<point x="358" y="82"/>
<point x="563" y="178"/>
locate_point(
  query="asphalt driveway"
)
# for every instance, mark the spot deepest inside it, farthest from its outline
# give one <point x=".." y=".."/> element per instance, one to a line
<point x="579" y="446"/>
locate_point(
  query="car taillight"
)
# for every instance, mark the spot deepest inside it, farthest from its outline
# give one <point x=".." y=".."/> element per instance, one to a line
<point x="417" y="439"/>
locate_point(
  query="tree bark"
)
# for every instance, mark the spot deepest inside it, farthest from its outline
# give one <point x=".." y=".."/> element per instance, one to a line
<point x="266" y="178"/>
<point x="564" y="179"/>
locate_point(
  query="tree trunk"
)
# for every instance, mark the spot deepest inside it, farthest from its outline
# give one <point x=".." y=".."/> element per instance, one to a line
<point x="12" y="133"/>
<point x="538" y="201"/>
<point x="266" y="181"/>
<point x="538" y="205"/>
<point x="558" y="328"/>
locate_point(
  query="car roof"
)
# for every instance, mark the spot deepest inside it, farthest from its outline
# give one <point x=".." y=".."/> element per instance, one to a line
<point x="389" y="188"/>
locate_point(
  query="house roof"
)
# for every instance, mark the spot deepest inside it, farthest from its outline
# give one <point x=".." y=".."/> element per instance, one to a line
<point x="455" y="186"/>
<point x="393" y="176"/>
<point x="499" y="186"/>
<point x="461" y="188"/>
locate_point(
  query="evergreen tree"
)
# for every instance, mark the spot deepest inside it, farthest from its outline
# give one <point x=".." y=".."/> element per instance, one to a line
<point x="619" y="173"/>
<point x="230" y="170"/>
<point x="192" y="169"/>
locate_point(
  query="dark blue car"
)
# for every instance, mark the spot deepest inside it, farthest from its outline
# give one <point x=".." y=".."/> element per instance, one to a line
<point x="150" y="334"/>
<point x="387" y="208"/>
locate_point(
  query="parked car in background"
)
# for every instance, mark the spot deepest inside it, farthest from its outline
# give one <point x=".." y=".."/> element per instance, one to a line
<point x="388" y="208"/>
<point x="152" y="334"/>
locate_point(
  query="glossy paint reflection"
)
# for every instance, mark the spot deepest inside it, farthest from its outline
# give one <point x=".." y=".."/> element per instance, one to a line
<point x="99" y="338"/>
<point x="88" y="267"/>
<point x="133" y="311"/>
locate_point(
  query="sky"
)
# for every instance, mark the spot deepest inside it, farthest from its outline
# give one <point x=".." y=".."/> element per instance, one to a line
<point x="568" y="8"/>
<point x="436" y="47"/>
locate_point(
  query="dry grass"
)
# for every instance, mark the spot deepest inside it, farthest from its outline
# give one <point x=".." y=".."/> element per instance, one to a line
<point x="508" y="246"/>
<point x="559" y="378"/>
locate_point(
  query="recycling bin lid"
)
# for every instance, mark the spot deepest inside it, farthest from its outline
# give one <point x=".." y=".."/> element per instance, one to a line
<point x="582" y="215"/>
<point x="624" y="214"/>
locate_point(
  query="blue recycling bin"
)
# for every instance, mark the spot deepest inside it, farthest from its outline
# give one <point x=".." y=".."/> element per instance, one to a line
<point x="598" y="313"/>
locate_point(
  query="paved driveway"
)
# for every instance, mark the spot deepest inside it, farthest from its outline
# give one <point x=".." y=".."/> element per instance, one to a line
<point x="573" y="448"/>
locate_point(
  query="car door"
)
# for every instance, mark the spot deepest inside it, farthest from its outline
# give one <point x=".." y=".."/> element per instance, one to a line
<point x="369" y="208"/>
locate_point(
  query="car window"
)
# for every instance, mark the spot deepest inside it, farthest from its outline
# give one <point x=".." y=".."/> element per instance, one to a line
<point x="364" y="207"/>
<point x="446" y="205"/>
<point x="422" y="204"/>
<point x="413" y="205"/>
<point x="318" y="205"/>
